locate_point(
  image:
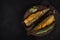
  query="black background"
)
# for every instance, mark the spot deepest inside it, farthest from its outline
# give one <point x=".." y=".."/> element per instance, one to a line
<point x="11" y="16"/>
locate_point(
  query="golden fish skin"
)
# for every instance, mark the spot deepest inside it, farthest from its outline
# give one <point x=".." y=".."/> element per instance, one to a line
<point x="46" y="30"/>
<point x="32" y="18"/>
<point x="44" y="23"/>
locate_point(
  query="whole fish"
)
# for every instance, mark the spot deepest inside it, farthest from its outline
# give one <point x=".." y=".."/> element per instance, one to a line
<point x="35" y="16"/>
<point x="50" y="19"/>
